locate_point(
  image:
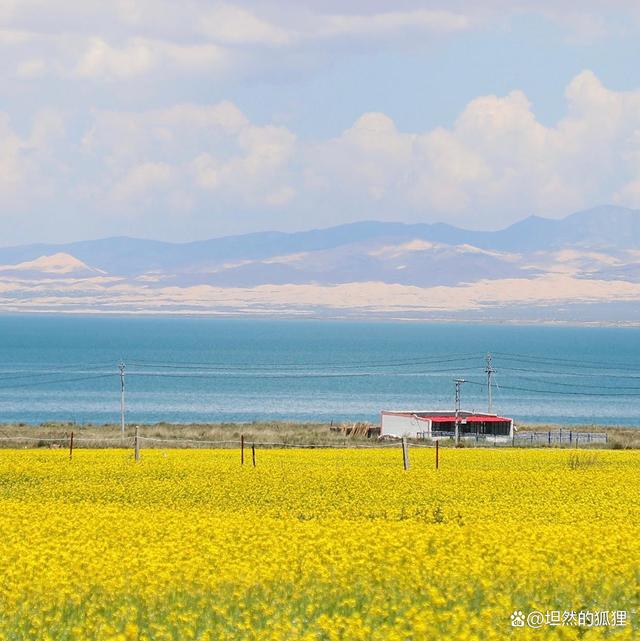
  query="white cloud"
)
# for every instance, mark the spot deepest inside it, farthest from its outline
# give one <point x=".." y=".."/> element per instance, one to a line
<point x="12" y="165"/>
<point x="496" y="158"/>
<point x="28" y="171"/>
<point x="31" y="68"/>
<point x="141" y="182"/>
<point x="392" y="23"/>
<point x="140" y="56"/>
<point x="494" y="164"/>
<point x="122" y="40"/>
<point x="207" y="149"/>
<point x="629" y="194"/>
<point x="233" y="24"/>
<point x="12" y="38"/>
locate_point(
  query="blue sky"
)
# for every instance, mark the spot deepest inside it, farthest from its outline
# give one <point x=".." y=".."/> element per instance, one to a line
<point x="150" y="119"/>
<point x="426" y="87"/>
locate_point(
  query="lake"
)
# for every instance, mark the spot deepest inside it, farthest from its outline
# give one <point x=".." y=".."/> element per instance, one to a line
<point x="65" y="368"/>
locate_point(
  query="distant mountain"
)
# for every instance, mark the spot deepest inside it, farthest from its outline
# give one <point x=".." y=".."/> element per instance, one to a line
<point x="539" y="267"/>
<point x="60" y="264"/>
<point x="607" y="227"/>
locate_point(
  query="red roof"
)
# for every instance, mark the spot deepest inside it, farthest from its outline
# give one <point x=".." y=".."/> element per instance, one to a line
<point x="476" y="418"/>
<point x="449" y="418"/>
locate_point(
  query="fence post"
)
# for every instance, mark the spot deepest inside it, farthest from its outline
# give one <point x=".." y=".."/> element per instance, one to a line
<point x="253" y="453"/>
<point x="71" y="447"/>
<point x="437" y="462"/>
<point x="136" y="444"/>
<point x="549" y="437"/>
<point x="405" y="453"/>
<point x="241" y="449"/>
<point x="570" y="436"/>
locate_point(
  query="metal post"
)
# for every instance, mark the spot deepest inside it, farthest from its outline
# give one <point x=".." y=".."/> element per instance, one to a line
<point x="136" y="443"/>
<point x="71" y="447"/>
<point x="490" y="371"/>
<point x="458" y="382"/>
<point x="405" y="453"/>
<point x="122" y="367"/>
<point x="253" y="453"/>
<point x="241" y="449"/>
<point x="437" y="462"/>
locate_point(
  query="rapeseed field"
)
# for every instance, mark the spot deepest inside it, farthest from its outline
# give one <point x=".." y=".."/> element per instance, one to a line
<point x="318" y="545"/>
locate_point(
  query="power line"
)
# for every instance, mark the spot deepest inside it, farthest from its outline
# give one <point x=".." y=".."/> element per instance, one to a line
<point x="537" y="380"/>
<point x="575" y="362"/>
<point x="58" y="381"/>
<point x="59" y="370"/>
<point x="296" y="375"/>
<point x="572" y="374"/>
<point x="554" y="392"/>
<point x="218" y="374"/>
<point x="425" y="360"/>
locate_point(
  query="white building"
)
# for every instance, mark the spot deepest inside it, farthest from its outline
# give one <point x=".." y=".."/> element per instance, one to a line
<point x="421" y="424"/>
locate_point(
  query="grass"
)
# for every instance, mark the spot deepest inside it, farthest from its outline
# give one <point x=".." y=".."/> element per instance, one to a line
<point x="283" y="432"/>
<point x="286" y="433"/>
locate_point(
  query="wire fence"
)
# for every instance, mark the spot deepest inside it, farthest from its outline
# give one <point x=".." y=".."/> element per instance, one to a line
<point x="187" y="443"/>
<point x="555" y="438"/>
<point x="560" y="437"/>
<point x="245" y="449"/>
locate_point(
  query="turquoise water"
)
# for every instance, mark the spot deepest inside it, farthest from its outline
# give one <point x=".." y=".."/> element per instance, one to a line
<point x="197" y="369"/>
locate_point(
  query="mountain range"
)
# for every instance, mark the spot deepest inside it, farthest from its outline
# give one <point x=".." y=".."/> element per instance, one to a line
<point x="585" y="267"/>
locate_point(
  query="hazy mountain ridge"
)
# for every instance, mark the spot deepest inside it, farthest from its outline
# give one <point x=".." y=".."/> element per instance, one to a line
<point x="419" y="269"/>
<point x="614" y="228"/>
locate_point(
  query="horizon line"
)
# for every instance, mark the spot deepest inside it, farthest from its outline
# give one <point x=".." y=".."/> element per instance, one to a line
<point x="318" y="229"/>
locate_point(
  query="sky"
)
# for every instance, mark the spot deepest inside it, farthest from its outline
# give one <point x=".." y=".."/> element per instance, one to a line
<point x="190" y="120"/>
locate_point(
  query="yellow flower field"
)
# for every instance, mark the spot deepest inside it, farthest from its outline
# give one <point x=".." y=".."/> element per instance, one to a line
<point x="317" y="544"/>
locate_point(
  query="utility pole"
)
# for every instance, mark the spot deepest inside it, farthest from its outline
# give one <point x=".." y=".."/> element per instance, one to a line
<point x="458" y="382"/>
<point x="490" y="371"/>
<point x="122" y="367"/>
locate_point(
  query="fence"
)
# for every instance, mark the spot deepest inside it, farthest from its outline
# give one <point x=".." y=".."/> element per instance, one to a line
<point x="559" y="437"/>
<point x="71" y="440"/>
<point x="520" y="439"/>
<point x="137" y="442"/>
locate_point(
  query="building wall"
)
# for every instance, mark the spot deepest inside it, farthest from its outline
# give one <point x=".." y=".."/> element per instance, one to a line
<point x="399" y="425"/>
<point x="407" y="425"/>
